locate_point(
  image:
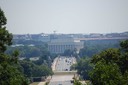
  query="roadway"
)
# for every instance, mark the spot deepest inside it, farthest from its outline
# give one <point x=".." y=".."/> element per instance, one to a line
<point x="64" y="63"/>
<point x="61" y="65"/>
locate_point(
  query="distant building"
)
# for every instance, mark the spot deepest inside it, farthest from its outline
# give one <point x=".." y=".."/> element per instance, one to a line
<point x="44" y="37"/>
<point x="61" y="44"/>
<point x="94" y="35"/>
<point x="22" y="37"/>
<point x="34" y="58"/>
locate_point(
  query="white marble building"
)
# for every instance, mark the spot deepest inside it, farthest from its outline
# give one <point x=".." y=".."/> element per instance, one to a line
<point x="60" y="45"/>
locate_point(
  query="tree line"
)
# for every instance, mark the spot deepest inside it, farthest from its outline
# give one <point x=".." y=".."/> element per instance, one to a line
<point x="12" y="70"/>
<point x="109" y="67"/>
<point x="92" y="47"/>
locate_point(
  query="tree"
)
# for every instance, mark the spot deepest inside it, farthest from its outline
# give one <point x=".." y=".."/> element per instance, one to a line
<point x="5" y="36"/>
<point x="106" y="74"/>
<point x="92" y="47"/>
<point x="42" y="70"/>
<point x="109" y="55"/>
<point x="124" y="45"/>
<point x="83" y="68"/>
<point x="77" y="82"/>
<point x="32" y="70"/>
<point x="9" y="73"/>
<point x="111" y="66"/>
<point x="123" y="63"/>
<point x="68" y="52"/>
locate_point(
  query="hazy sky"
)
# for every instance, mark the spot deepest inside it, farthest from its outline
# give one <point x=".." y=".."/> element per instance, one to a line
<point x="66" y="16"/>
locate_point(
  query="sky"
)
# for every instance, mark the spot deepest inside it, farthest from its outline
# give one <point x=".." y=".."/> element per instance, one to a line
<point x="65" y="16"/>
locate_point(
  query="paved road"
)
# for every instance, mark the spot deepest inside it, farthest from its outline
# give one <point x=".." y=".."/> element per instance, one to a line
<point x="62" y="64"/>
<point x="61" y="83"/>
<point x="61" y="80"/>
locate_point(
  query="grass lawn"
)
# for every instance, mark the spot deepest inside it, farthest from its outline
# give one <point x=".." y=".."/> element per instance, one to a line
<point x="35" y="83"/>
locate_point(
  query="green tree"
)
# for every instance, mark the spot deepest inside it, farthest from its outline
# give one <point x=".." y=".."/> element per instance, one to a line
<point x="124" y="45"/>
<point x="111" y="66"/>
<point x="106" y="74"/>
<point x="9" y="73"/>
<point x="68" y="52"/>
<point x="92" y="47"/>
<point x="5" y="36"/>
<point x="83" y="68"/>
<point x="42" y="70"/>
<point x="32" y="70"/>
<point x="109" y="55"/>
<point x="27" y="67"/>
<point x="77" y="82"/>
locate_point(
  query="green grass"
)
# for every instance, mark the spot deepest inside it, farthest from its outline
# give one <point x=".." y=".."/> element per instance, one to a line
<point x="34" y="83"/>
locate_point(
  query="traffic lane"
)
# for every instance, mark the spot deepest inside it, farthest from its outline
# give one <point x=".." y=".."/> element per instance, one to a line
<point x="60" y="64"/>
<point x="64" y="64"/>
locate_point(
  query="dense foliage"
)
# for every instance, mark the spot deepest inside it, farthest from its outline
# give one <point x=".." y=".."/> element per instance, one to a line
<point x="19" y="72"/>
<point x="9" y="72"/>
<point x="111" y="66"/>
<point x="70" y="52"/>
<point x="32" y="70"/>
<point x="30" y="51"/>
<point x="37" y="68"/>
<point x="92" y="47"/>
<point x="83" y="68"/>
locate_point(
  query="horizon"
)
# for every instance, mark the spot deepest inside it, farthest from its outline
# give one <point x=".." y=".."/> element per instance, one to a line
<point x="70" y="33"/>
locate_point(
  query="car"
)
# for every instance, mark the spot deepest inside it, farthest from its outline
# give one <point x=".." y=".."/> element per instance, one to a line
<point x="59" y="84"/>
<point x="66" y="69"/>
